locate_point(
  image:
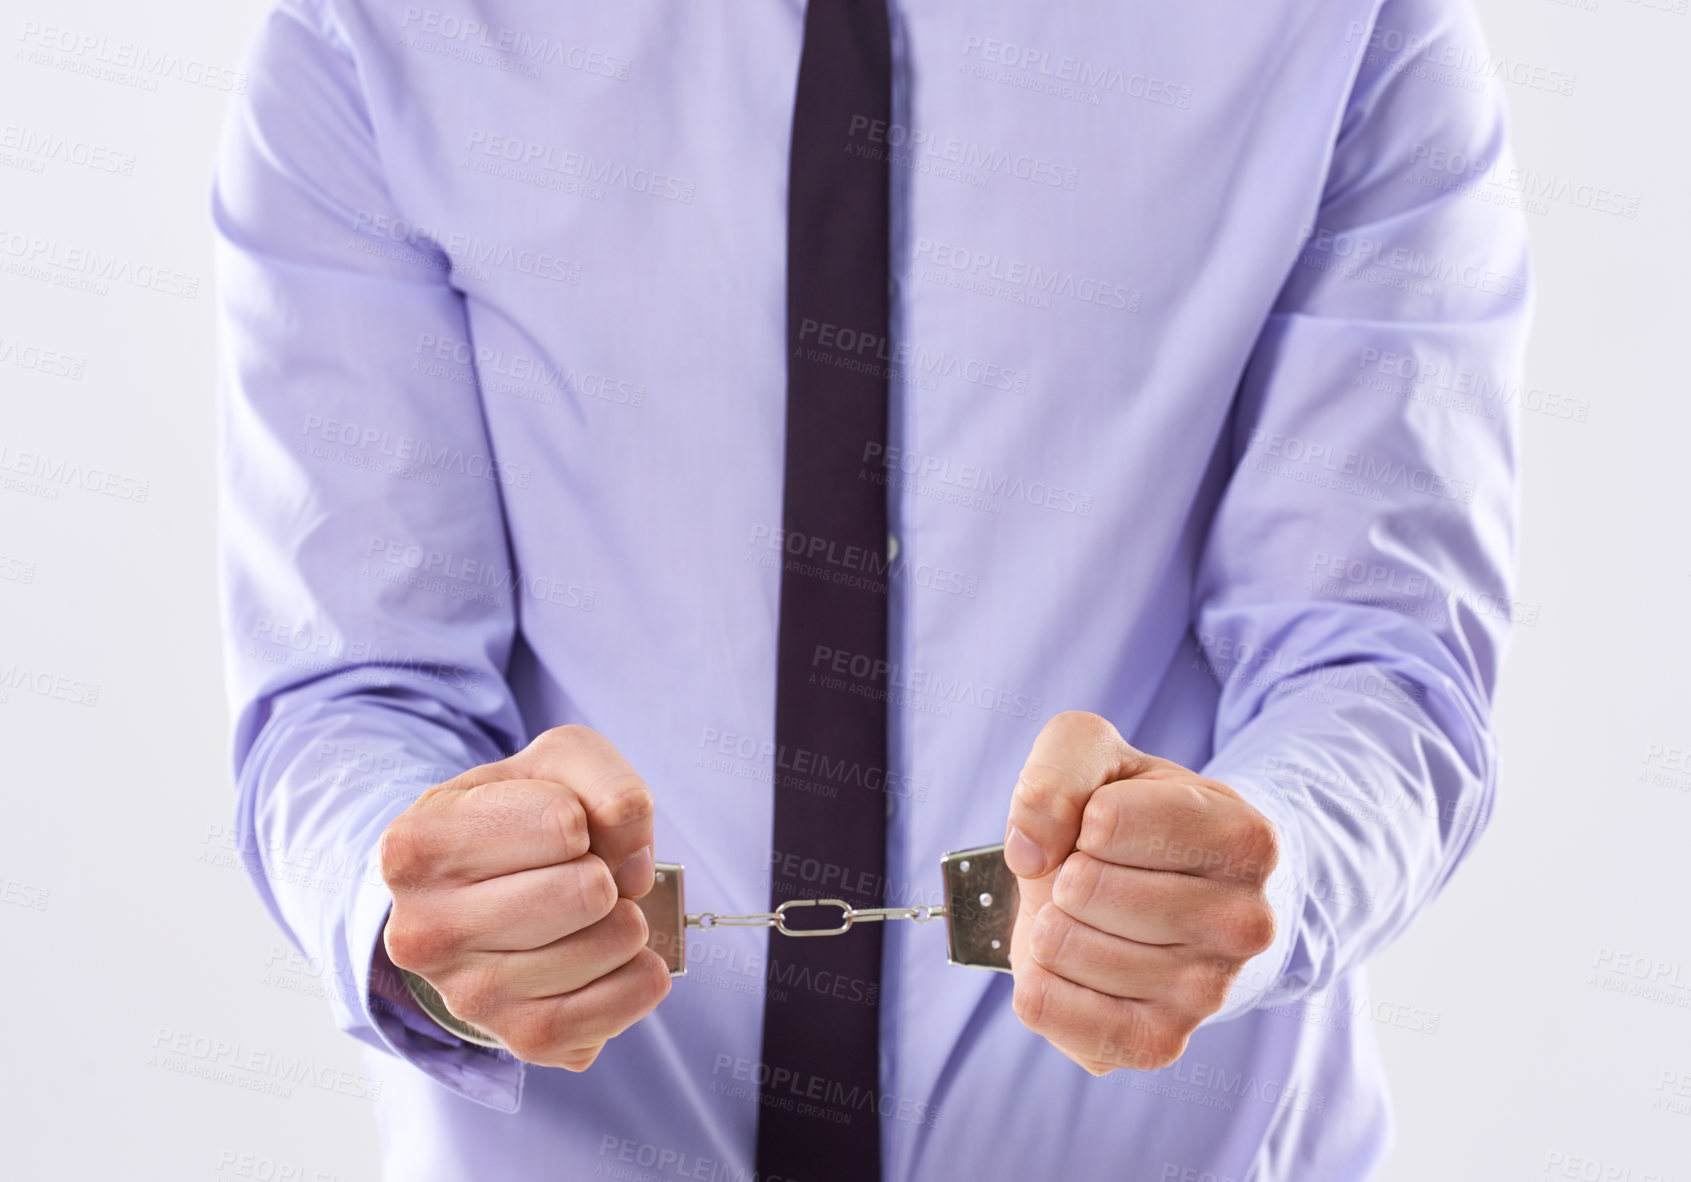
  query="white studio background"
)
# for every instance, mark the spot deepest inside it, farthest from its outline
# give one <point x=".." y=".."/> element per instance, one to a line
<point x="1537" y="1022"/>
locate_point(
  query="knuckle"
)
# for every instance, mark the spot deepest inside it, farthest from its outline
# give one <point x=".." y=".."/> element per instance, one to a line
<point x="1044" y="790"/>
<point x="1147" y="1043"/>
<point x="564" y="816"/>
<point x="554" y="751"/>
<point x="1124" y="1041"/>
<point x="596" y="890"/>
<point x="1264" y="927"/>
<point x="1077" y="882"/>
<point x="417" y="945"/>
<point x="400" y="855"/>
<point x="1270" y="847"/>
<point x="578" y="1061"/>
<point x="523" y="1042"/>
<point x="1051" y="932"/>
<point x="1129" y="1041"/>
<point x="534" y="1032"/>
<point x="1256" y="848"/>
<point x="1081" y="725"/>
<point x="1248" y="926"/>
<point x="628" y="803"/>
<point x="1027" y="998"/>
<point x="1093" y="733"/>
<point x="1099" y="821"/>
<point x="651" y="982"/>
<point x="1206" y="985"/>
<point x="1163" y="1046"/>
<point x="1105" y="1052"/>
<point x="1188" y="808"/>
<point x="474" y="993"/>
<point x="629" y="930"/>
<point x="562" y="742"/>
<point x="1109" y="1054"/>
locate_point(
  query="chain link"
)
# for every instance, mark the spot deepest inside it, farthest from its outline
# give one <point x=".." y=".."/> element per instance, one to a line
<point x="849" y="915"/>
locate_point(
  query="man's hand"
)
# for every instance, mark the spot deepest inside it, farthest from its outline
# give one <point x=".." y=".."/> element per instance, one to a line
<point x="1141" y="896"/>
<point x="512" y="888"/>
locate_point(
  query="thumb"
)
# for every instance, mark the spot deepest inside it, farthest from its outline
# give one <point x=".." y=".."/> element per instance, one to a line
<point x="1075" y="754"/>
<point x="617" y="802"/>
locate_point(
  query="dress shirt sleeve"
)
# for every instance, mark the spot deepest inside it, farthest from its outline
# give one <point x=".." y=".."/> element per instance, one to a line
<point x="366" y="581"/>
<point x="1354" y="595"/>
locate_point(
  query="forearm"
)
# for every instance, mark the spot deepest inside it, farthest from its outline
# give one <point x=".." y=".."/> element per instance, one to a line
<point x="1352" y="600"/>
<point x="325" y="777"/>
<point x="1379" y="781"/>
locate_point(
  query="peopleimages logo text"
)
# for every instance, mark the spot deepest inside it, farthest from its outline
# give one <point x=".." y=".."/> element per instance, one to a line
<point x="1385" y="473"/>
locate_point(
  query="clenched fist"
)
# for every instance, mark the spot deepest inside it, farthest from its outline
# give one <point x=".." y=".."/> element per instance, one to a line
<point x="1142" y="896"/>
<point x="512" y="895"/>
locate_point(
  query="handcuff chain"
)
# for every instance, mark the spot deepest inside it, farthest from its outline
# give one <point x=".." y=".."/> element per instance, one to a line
<point x="848" y="915"/>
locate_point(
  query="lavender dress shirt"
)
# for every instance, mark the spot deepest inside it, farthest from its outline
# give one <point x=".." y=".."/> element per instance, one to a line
<point x="1205" y="351"/>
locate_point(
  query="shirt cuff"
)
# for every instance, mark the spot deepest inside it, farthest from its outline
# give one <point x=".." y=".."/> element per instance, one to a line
<point x="1270" y="978"/>
<point x="484" y="1074"/>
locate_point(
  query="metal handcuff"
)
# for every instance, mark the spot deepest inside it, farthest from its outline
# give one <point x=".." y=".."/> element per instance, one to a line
<point x="979" y="912"/>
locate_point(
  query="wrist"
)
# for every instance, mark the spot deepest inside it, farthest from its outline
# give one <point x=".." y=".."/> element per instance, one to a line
<point x="1267" y="976"/>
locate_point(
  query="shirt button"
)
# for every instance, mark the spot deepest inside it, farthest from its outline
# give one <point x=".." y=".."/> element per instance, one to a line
<point x="892" y="547"/>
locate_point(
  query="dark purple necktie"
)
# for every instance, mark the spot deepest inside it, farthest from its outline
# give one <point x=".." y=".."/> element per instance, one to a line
<point x="819" y="1117"/>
